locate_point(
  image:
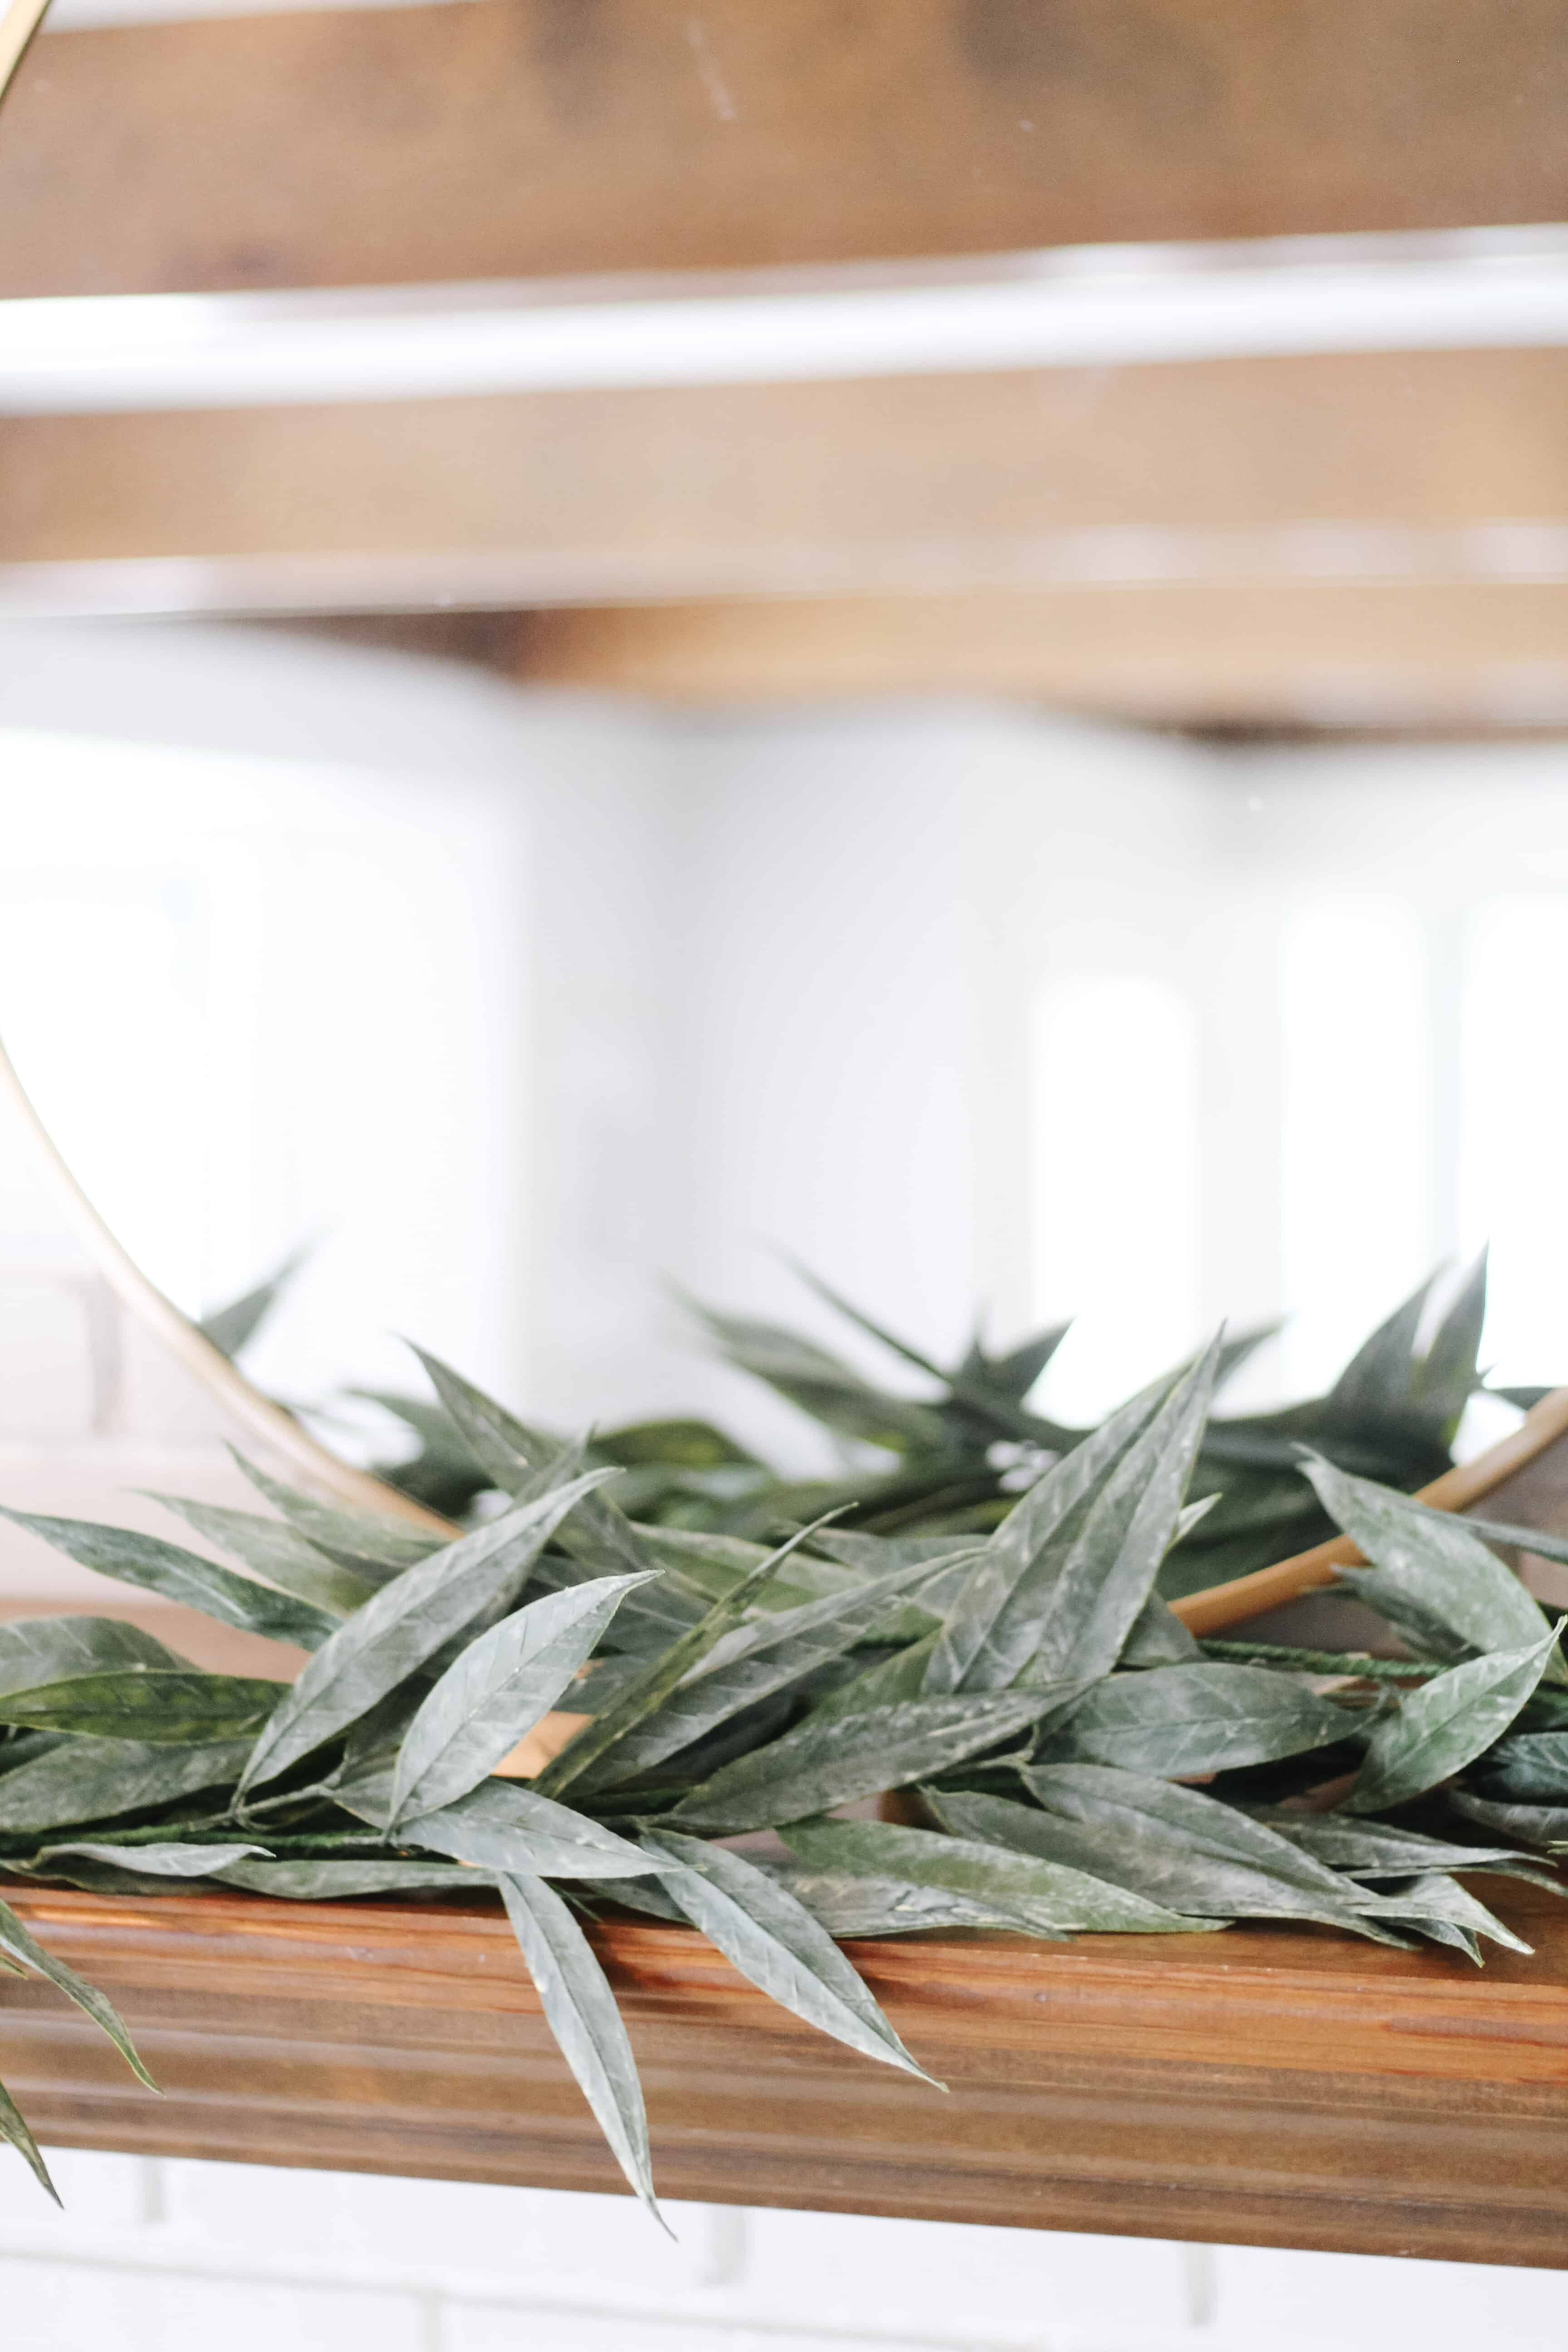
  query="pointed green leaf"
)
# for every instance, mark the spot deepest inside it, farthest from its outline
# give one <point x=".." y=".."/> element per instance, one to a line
<point x="1178" y="1721"/>
<point x="1046" y="1898"/>
<point x="494" y="1693"/>
<point x="992" y="1629"/>
<point x="21" y="1946"/>
<point x="889" y="1683"/>
<point x="99" y="1780"/>
<point x="1445" y="1726"/>
<point x="35" y="1650"/>
<point x="183" y="1575"/>
<point x="405" y="1624"/>
<point x="748" y="1665"/>
<point x="775" y="1942"/>
<point x="168" y="1706"/>
<point x="1447" y="1376"/>
<point x="846" y="1903"/>
<point x="1183" y="1848"/>
<point x="1379" y="1376"/>
<point x="1545" y="1826"/>
<point x="1159" y="1638"/>
<point x="1016" y="1372"/>
<point x="824" y="1386"/>
<point x="358" y="1540"/>
<point x="826" y="1763"/>
<point x="505" y="1448"/>
<point x="346" y="1882"/>
<point x="172" y="1860"/>
<point x="1432" y="1560"/>
<point x="271" y="1549"/>
<point x="1539" y="1540"/>
<point x="14" y="2132"/>
<point x="581" y="2012"/>
<point x="1105" y="1575"/>
<point x="230" y="1327"/>
<point x="644" y="1697"/>
<point x="1378" y="1850"/>
<point x="1434" y="1899"/>
<point x="1528" y="1767"/>
<point x="501" y="1825"/>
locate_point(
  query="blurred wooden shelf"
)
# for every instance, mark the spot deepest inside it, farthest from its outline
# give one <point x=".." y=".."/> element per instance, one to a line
<point x="1263" y="2086"/>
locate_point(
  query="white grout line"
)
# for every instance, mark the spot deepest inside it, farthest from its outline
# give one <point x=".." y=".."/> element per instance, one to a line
<point x="1087" y="305"/>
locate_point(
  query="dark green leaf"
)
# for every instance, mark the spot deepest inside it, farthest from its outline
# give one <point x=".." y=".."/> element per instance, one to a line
<point x="271" y="1549"/>
<point x="1531" y="1767"/>
<point x="1434" y="1901"/>
<point x="405" y="1624"/>
<point x="1180" y="1847"/>
<point x="643" y="1698"/>
<point x="1158" y="1638"/>
<point x="494" y="1693"/>
<point x="580" y="2010"/>
<point x="1378" y="1378"/>
<point x="1443" y="1726"/>
<point x="501" y="1825"/>
<point x="183" y="1575"/>
<point x="1047" y="1898"/>
<point x="35" y="1650"/>
<point x="1539" y="1825"/>
<point x="1443" y="1382"/>
<point x="1431" y="1559"/>
<point x="1179" y="1721"/>
<point x="775" y="1942"/>
<point x="748" y="1665"/>
<point x="15" y="1940"/>
<point x="168" y="1861"/>
<point x="358" y="1540"/>
<point x="889" y="1683"/>
<point x="825" y="1387"/>
<point x="1539" y="1540"/>
<point x="168" y="1706"/>
<point x="846" y="1903"/>
<point x="98" y="1779"/>
<point x="826" y="1763"/>
<point x="1377" y="1850"/>
<point x="345" y="1882"/>
<point x="15" y="2132"/>
<point x="1016" y="1372"/>
<point x="230" y="1327"/>
<point x="993" y="1628"/>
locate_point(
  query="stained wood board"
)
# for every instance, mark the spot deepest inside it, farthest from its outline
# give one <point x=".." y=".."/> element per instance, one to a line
<point x="521" y="136"/>
<point x="1261" y="2086"/>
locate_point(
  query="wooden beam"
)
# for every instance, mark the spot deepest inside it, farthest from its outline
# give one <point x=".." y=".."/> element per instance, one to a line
<point x="1368" y="464"/>
<point x="1264" y="2087"/>
<point x="523" y="137"/>
<point x="1315" y="654"/>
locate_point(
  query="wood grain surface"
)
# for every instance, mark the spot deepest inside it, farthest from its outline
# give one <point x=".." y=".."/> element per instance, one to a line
<point x="1266" y="2086"/>
<point x="525" y="137"/>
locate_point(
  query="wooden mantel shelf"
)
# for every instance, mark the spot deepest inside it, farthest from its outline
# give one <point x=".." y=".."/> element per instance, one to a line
<point x="1264" y="2086"/>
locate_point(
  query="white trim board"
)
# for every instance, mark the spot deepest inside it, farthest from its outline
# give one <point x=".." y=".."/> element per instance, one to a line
<point x="1104" y="306"/>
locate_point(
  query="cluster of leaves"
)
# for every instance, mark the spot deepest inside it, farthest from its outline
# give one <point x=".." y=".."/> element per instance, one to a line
<point x="947" y="1463"/>
<point x="1042" y="1707"/>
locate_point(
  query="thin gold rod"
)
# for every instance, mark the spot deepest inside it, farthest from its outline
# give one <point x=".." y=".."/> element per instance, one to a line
<point x="18" y="23"/>
<point x="207" y="1364"/>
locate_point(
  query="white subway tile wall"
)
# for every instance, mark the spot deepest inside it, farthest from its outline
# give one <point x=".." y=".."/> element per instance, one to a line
<point x="161" y="2256"/>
